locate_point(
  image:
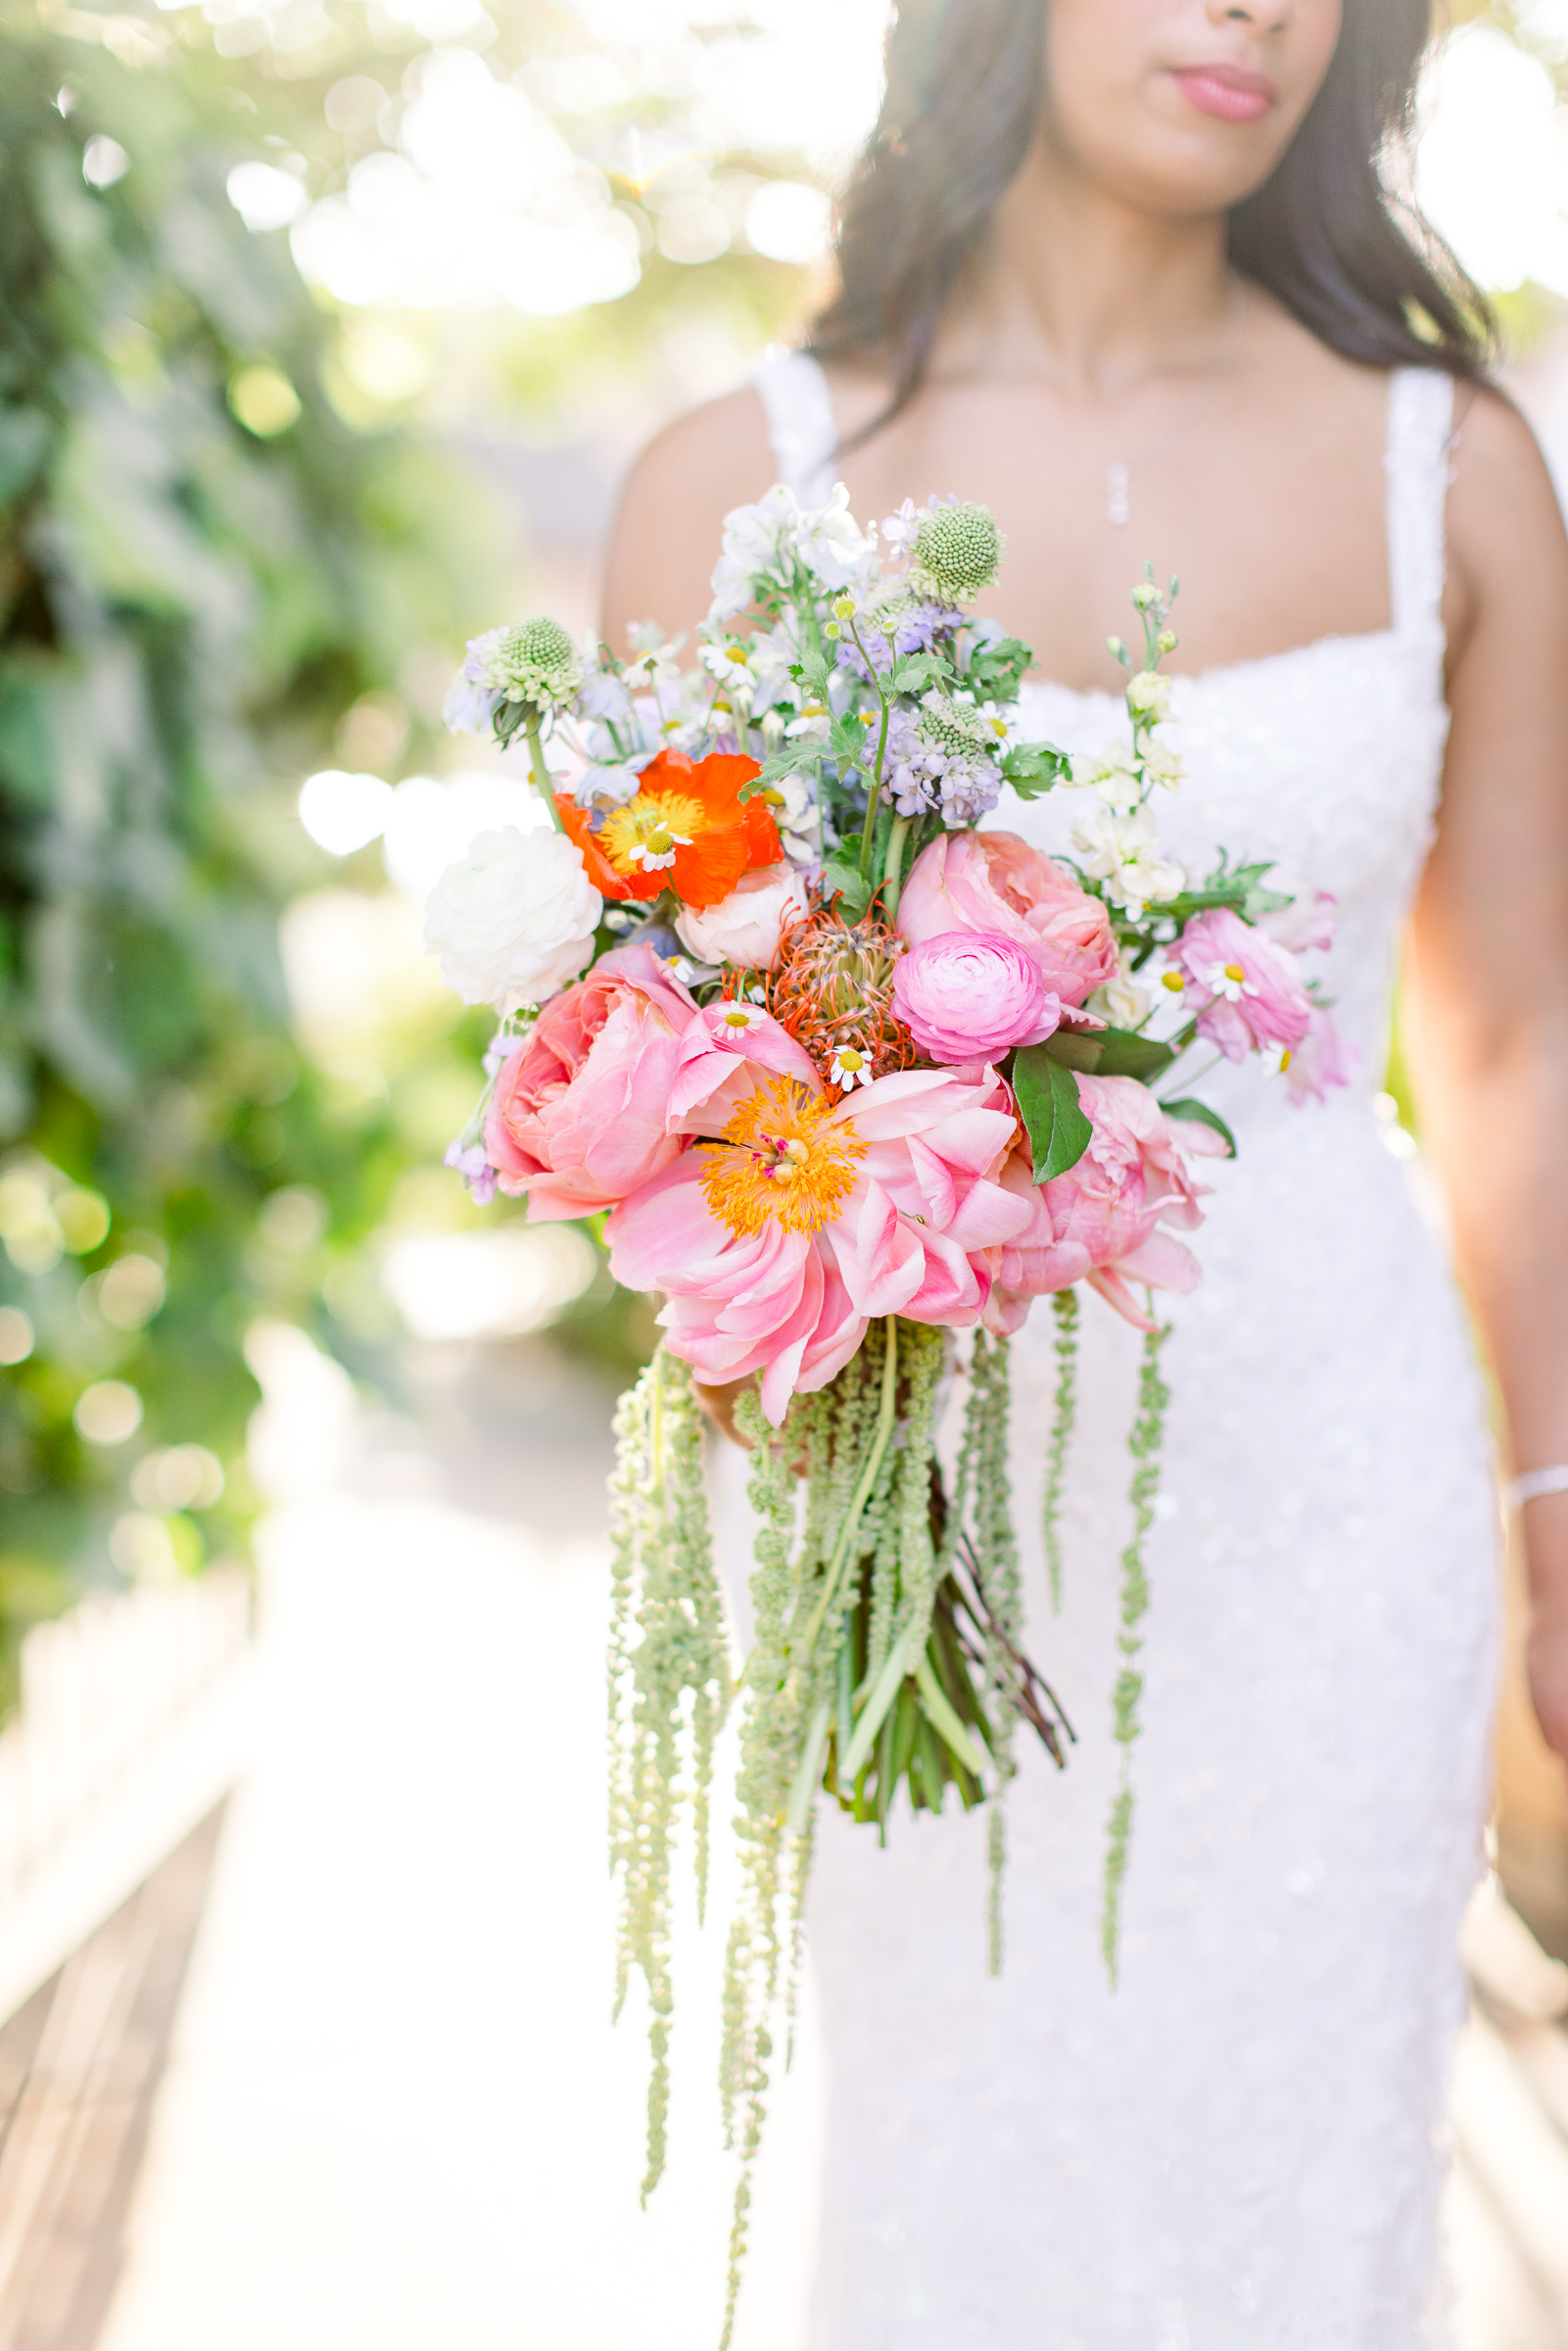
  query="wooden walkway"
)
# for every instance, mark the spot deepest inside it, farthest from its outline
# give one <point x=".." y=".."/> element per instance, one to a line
<point x="79" y="2070"/>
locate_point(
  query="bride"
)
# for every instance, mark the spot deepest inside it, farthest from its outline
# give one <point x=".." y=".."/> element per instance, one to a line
<point x="1140" y="275"/>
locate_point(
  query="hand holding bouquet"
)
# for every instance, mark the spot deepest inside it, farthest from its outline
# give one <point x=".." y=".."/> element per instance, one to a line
<point x="845" y="1074"/>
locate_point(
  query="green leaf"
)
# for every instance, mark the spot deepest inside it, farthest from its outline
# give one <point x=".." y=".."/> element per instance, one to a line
<point x="1109" y="1053"/>
<point x="994" y="672"/>
<point x="842" y="878"/>
<point x="1034" y="767"/>
<point x="812" y="671"/>
<point x="795" y="760"/>
<point x="849" y="741"/>
<point x="1201" y="1115"/>
<point x="916" y="671"/>
<point x="1048" y="1097"/>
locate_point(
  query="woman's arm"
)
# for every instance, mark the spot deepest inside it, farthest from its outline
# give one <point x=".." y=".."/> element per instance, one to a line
<point x="666" y="536"/>
<point x="1488" y="1027"/>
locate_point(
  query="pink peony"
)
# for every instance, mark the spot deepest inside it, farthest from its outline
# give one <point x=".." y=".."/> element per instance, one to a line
<point x="996" y="882"/>
<point x="969" y="995"/>
<point x="895" y="1208"/>
<point x="1100" y="1221"/>
<point x="729" y="1051"/>
<point x="578" y="1118"/>
<point x="1245" y="988"/>
<point x="1322" y="1059"/>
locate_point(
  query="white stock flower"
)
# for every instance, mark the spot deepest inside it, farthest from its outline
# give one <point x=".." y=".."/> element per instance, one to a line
<point x="1149" y="695"/>
<point x="514" y="919"/>
<point x="1116" y="777"/>
<point x="831" y="545"/>
<point x="1121" y="1000"/>
<point x="1123" y="853"/>
<point x="1163" y="765"/>
<point x="744" y="927"/>
<point x="794" y="812"/>
<point x="751" y="550"/>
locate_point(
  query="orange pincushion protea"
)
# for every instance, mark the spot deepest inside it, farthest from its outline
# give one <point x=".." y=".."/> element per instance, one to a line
<point x="687" y="830"/>
<point x="832" y="987"/>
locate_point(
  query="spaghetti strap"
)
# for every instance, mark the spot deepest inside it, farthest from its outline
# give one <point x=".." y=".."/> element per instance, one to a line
<point x="1420" y="444"/>
<point x="799" y="408"/>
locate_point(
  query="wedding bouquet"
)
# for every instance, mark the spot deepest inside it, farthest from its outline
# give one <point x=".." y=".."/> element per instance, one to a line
<point x="842" y="1075"/>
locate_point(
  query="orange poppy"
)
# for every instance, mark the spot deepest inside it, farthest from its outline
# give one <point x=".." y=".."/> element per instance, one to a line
<point x="687" y="830"/>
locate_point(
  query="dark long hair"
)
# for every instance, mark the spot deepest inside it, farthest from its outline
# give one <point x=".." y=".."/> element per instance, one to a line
<point x="1326" y="234"/>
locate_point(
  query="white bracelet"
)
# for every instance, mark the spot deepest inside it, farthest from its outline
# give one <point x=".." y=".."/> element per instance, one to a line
<point x="1535" y="1481"/>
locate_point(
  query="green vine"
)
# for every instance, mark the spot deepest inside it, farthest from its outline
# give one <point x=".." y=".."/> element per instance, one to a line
<point x="667" y="1667"/>
<point x="996" y="1563"/>
<point x="1144" y="1445"/>
<point x="1064" y="1307"/>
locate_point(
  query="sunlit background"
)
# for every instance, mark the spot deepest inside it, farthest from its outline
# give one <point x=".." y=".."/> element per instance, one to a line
<point x="332" y="330"/>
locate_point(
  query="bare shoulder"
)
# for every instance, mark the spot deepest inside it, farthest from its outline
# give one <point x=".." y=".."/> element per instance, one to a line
<point x="666" y="535"/>
<point x="1507" y="550"/>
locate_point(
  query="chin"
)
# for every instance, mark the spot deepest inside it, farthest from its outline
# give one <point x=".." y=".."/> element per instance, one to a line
<point x="1184" y="167"/>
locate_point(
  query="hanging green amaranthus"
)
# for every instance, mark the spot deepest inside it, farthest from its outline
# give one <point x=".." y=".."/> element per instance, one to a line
<point x="1145" y="1445"/>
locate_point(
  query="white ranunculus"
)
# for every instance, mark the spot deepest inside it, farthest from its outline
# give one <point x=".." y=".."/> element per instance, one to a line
<point x="514" y="919"/>
<point x="744" y="927"/>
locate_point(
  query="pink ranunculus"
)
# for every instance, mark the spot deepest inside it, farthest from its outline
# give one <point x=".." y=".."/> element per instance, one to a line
<point x="1103" y="1221"/>
<point x="578" y="1118"/>
<point x="1322" y="1059"/>
<point x="996" y="882"/>
<point x="1246" y="989"/>
<point x="913" y="1234"/>
<point x="969" y="995"/>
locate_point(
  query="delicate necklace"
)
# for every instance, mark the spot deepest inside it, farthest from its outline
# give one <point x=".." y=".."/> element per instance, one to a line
<point x="1119" y="472"/>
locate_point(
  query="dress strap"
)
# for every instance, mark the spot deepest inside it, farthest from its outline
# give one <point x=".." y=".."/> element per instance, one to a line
<point x="799" y="408"/>
<point x="1421" y="446"/>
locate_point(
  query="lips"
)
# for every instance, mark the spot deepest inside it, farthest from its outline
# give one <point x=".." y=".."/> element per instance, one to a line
<point x="1231" y="93"/>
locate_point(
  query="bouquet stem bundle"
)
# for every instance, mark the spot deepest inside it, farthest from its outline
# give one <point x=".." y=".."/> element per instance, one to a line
<point x="887" y="1650"/>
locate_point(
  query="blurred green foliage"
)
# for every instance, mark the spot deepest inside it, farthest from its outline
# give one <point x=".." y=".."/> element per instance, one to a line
<point x="187" y="605"/>
<point x="230" y="535"/>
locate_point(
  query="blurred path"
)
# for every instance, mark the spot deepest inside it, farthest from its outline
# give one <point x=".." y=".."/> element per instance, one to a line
<point x="394" y="2117"/>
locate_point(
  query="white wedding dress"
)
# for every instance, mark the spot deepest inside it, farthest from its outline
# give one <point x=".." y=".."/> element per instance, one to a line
<point x="1240" y="2149"/>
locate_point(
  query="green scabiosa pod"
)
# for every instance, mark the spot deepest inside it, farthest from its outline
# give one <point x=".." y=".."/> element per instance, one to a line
<point x="1145" y="1443"/>
<point x="668" y="1686"/>
<point x="534" y="662"/>
<point x="958" y="552"/>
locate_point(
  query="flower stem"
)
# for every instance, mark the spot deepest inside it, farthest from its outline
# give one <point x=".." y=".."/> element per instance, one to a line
<point x="895" y="861"/>
<point x="875" y="794"/>
<point x="541" y="772"/>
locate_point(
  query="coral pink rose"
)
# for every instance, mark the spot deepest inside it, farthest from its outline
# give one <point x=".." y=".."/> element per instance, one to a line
<point x="579" y="1115"/>
<point x="832" y="1212"/>
<point x="1101" y="1221"/>
<point x="996" y="882"/>
<point x="1246" y="989"/>
<point x="969" y="995"/>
